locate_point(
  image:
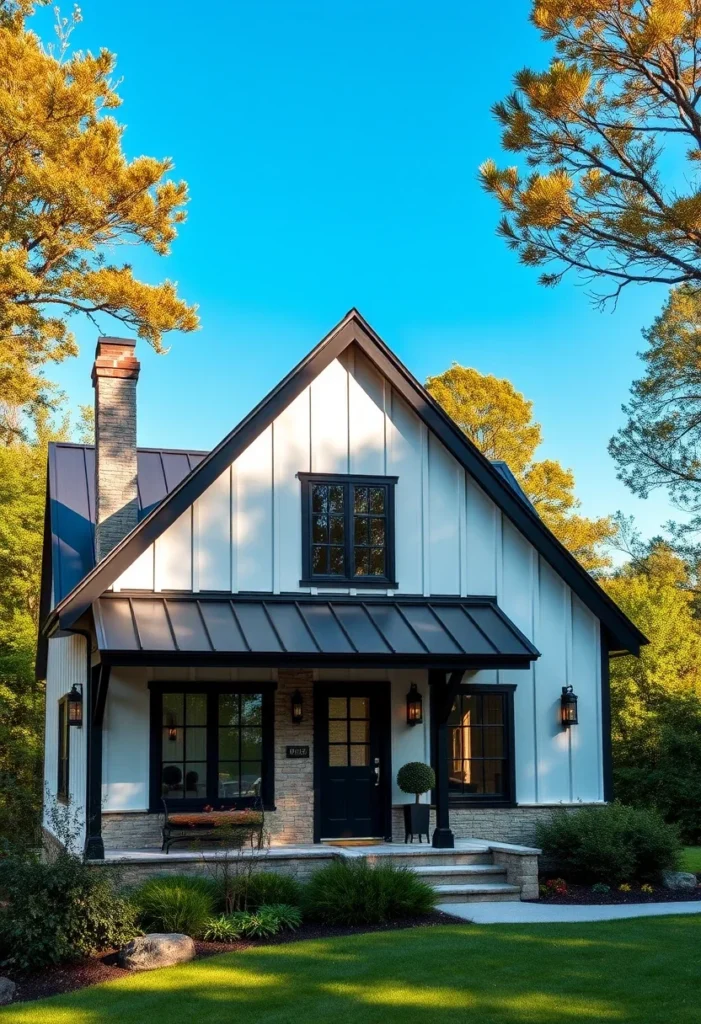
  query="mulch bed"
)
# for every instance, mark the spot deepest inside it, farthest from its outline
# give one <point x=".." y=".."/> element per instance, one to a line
<point x="583" y="896"/>
<point x="53" y="981"/>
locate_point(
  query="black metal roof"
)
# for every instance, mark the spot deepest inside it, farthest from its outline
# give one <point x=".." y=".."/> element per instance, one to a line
<point x="72" y="502"/>
<point x="318" y="630"/>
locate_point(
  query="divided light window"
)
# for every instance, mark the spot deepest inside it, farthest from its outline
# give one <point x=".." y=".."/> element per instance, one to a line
<point x="480" y="748"/>
<point x="348" y="529"/>
<point x="64" y="749"/>
<point x="211" y="746"/>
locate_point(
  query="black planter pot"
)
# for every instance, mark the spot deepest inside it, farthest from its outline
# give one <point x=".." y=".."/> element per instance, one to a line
<point x="416" y="821"/>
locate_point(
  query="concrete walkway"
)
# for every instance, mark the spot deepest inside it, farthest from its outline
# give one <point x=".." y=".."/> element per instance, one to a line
<point x="542" y="913"/>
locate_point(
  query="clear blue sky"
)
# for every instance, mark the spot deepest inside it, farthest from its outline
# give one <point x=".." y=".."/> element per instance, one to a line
<point x="331" y="149"/>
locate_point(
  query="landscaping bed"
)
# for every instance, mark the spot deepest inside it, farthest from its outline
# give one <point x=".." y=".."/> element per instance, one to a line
<point x="585" y="895"/>
<point x="70" y="977"/>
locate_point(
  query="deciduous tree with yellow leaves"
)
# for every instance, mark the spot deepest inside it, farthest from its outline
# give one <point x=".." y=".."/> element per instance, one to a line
<point x="611" y="136"/>
<point x="499" y="420"/>
<point x="69" y="198"/>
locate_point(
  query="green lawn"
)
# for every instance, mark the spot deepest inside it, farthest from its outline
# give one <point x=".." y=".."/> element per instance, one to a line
<point x="623" y="972"/>
<point x="692" y="859"/>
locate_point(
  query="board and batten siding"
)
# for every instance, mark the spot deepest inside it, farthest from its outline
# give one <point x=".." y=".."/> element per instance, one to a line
<point x="244" y="534"/>
<point x="66" y="666"/>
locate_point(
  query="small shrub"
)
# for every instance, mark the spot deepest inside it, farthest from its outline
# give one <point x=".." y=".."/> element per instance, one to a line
<point x="613" y="843"/>
<point x="175" y="903"/>
<point x="647" y="888"/>
<point x="416" y="777"/>
<point x="353" y="892"/>
<point x="221" y="929"/>
<point x="557" y="886"/>
<point x="601" y="888"/>
<point x="250" y="891"/>
<point x="625" y="887"/>
<point x="290" y="917"/>
<point x="59" y="912"/>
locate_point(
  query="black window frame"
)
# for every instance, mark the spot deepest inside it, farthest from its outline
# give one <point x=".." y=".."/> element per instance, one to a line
<point x="505" y="690"/>
<point x="348" y="481"/>
<point x="212" y="691"/>
<point x="63" y="753"/>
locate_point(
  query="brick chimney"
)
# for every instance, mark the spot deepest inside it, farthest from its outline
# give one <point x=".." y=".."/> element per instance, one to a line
<point x="114" y="378"/>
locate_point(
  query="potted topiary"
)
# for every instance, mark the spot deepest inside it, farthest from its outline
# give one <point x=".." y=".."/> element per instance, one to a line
<point x="417" y="778"/>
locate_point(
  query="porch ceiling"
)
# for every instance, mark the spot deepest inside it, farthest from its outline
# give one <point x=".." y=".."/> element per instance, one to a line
<point x="310" y="631"/>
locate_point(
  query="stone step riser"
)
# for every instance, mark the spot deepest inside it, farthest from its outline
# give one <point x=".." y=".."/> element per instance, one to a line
<point x="450" y="857"/>
<point x="463" y="878"/>
<point x="479" y="897"/>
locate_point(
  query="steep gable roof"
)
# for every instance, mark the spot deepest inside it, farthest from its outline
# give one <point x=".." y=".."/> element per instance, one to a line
<point x="351" y="329"/>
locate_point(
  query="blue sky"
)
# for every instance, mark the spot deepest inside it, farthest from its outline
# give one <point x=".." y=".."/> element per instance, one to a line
<point x="331" y="149"/>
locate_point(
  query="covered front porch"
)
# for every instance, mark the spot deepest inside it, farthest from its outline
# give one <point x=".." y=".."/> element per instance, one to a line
<point x="300" y="704"/>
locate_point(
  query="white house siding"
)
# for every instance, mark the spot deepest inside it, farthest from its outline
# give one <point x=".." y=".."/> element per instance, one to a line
<point x="67" y="662"/>
<point x="244" y="534"/>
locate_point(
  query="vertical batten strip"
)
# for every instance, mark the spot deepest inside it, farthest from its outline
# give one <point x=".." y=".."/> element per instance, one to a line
<point x="599" y="714"/>
<point x="275" y="499"/>
<point x="425" y="512"/>
<point x="233" y="494"/>
<point x="462" y="530"/>
<point x="195" y="546"/>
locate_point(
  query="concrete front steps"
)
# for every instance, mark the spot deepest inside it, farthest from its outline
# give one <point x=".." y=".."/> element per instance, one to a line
<point x="459" y="876"/>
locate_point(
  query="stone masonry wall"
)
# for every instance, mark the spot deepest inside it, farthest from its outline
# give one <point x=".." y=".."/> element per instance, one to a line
<point x="498" y="824"/>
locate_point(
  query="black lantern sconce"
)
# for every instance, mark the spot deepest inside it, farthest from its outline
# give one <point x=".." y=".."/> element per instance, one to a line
<point x="297" y="708"/>
<point x="568" y="707"/>
<point x="75" y="706"/>
<point x="414" y="706"/>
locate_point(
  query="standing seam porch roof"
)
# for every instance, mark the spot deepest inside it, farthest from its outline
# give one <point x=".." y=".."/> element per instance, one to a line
<point x="313" y="630"/>
<point x="622" y="633"/>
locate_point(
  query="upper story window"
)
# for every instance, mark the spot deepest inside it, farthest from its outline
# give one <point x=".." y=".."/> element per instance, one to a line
<point x="347" y="530"/>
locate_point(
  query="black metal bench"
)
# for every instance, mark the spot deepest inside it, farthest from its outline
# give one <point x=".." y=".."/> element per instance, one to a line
<point x="237" y="828"/>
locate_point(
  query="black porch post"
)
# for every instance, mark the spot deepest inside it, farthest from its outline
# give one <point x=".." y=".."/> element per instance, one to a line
<point x="97" y="696"/>
<point x="443" y="838"/>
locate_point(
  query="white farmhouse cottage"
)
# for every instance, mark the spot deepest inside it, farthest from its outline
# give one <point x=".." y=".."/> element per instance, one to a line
<point x="343" y="585"/>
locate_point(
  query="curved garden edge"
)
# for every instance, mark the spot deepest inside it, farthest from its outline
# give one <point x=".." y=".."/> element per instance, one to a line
<point x="103" y="967"/>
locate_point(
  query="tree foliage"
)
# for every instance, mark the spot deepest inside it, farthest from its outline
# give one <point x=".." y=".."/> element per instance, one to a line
<point x="601" y="131"/>
<point x="499" y="420"/>
<point x="656" y="698"/>
<point x="660" y="444"/>
<point x="22" y="501"/>
<point x="70" y="200"/>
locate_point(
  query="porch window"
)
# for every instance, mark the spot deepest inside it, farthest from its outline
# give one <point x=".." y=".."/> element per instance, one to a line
<point x="64" y="751"/>
<point x="347" y="530"/>
<point x="480" y="746"/>
<point x="211" y="745"/>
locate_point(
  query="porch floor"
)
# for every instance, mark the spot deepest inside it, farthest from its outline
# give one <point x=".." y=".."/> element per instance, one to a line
<point x="314" y="851"/>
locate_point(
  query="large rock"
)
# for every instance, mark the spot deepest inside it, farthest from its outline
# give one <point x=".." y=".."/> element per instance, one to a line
<point x="678" y="880"/>
<point x="160" y="949"/>
<point x="7" y="991"/>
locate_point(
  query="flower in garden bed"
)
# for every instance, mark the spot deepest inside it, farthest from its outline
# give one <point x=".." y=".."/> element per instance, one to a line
<point x="558" y="886"/>
<point x="624" y="887"/>
<point x="647" y="888"/>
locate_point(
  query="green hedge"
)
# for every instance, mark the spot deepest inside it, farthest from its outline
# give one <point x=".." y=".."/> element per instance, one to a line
<point x="610" y="844"/>
<point x="353" y="892"/>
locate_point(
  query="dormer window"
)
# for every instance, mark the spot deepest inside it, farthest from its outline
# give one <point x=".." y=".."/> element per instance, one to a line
<point x="347" y="530"/>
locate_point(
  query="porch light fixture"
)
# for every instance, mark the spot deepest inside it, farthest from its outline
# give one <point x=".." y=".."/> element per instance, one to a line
<point x="568" y="707"/>
<point x="414" y="706"/>
<point x="75" y="706"/>
<point x="297" y="709"/>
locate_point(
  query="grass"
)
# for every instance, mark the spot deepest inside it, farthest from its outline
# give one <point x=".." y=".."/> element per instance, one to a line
<point x="691" y="861"/>
<point x="636" y="971"/>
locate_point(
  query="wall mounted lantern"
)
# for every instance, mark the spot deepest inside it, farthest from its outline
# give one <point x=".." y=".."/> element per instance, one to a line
<point x="568" y="707"/>
<point x="297" y="707"/>
<point x="75" y="706"/>
<point x="414" y="706"/>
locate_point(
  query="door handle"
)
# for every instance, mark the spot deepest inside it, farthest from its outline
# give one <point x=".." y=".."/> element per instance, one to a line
<point x="377" y="771"/>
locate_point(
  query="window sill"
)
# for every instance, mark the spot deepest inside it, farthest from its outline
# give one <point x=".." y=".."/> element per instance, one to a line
<point x="341" y="583"/>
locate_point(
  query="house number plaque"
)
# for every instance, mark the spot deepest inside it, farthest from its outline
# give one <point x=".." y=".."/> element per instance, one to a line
<point x="298" y="751"/>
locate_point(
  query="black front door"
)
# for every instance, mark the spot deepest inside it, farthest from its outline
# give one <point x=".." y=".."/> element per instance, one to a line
<point x="352" y="760"/>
